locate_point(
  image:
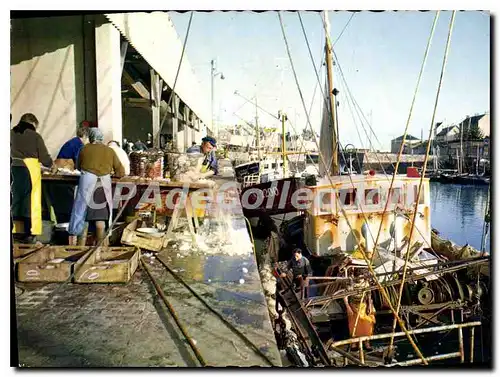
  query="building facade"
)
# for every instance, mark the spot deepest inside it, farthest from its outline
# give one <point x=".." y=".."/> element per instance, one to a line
<point x="410" y="142"/>
<point x="116" y="70"/>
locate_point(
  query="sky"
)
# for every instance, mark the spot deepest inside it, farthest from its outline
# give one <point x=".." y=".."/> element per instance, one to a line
<point x="380" y="54"/>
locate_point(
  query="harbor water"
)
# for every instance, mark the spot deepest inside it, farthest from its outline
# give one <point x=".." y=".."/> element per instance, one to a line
<point x="457" y="212"/>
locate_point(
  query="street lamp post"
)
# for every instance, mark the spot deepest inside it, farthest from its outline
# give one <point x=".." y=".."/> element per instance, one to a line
<point x="213" y="75"/>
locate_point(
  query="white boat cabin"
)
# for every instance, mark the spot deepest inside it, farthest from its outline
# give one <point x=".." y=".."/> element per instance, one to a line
<point x="255" y="172"/>
<point x="363" y="198"/>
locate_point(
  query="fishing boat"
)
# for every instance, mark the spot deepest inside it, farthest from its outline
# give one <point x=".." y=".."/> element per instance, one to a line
<point x="267" y="183"/>
<point x="377" y="276"/>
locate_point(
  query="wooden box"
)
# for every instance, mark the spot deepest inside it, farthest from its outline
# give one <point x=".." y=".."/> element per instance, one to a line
<point x="42" y="267"/>
<point x="20" y="249"/>
<point x="143" y="240"/>
<point x="108" y="265"/>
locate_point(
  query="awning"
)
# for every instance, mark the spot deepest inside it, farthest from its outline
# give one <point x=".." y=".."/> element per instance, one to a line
<point x="154" y="37"/>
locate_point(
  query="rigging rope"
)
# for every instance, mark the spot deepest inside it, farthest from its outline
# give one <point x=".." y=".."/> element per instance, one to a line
<point x="370" y="268"/>
<point x="364" y="129"/>
<point x="486" y="222"/>
<point x="326" y="103"/>
<point x="422" y="67"/>
<point x="176" y="77"/>
<point x="341" y="150"/>
<point x="415" y="213"/>
<point x="358" y="110"/>
<point x="345" y="27"/>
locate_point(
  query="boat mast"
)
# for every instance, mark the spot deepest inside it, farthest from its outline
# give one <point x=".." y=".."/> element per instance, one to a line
<point x="283" y="118"/>
<point x="434" y="150"/>
<point x="460" y="166"/>
<point x="257" y="130"/>
<point x="331" y="98"/>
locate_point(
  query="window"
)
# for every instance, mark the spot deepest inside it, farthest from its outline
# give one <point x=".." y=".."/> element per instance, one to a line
<point x="273" y="166"/>
<point x="348" y="196"/>
<point x="396" y="196"/>
<point x="415" y="194"/>
<point x="372" y="196"/>
<point x="326" y="199"/>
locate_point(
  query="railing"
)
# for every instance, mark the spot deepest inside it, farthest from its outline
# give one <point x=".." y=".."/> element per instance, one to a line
<point x="307" y="285"/>
<point x="460" y="354"/>
<point x="251" y="180"/>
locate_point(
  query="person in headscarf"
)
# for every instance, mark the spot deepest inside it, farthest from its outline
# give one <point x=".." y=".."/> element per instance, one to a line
<point x="93" y="202"/>
<point x="208" y="146"/>
<point x="68" y="155"/>
<point x="27" y="152"/>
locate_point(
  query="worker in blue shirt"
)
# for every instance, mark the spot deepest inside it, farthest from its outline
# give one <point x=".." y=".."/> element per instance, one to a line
<point x="71" y="149"/>
<point x="208" y="146"/>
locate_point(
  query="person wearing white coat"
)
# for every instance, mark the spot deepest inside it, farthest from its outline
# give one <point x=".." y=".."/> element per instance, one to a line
<point x="121" y="154"/>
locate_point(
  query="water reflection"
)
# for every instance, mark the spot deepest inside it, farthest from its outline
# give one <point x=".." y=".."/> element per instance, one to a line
<point x="457" y="211"/>
<point x="213" y="268"/>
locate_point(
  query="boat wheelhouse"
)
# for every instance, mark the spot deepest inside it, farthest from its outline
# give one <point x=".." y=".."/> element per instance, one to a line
<point x="363" y="198"/>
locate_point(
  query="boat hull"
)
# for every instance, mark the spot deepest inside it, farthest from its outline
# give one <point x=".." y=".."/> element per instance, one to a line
<point x="269" y="198"/>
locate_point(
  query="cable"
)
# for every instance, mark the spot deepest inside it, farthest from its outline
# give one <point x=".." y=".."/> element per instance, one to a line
<point x="174" y="314"/>
<point x="345" y="27"/>
<point x="355" y="103"/>
<point x="364" y="129"/>
<point x="326" y="104"/>
<point x="317" y="76"/>
<point x="485" y="222"/>
<point x="256" y="105"/>
<point x="312" y="59"/>
<point x="358" y="110"/>
<point x="370" y="268"/>
<point x="176" y="76"/>
<point x="429" y="41"/>
<point x="445" y="59"/>
<point x="217" y="314"/>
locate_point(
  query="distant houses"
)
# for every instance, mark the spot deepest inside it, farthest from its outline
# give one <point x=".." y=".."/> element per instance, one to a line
<point x="410" y="142"/>
<point x="463" y="146"/>
<point x="447" y="134"/>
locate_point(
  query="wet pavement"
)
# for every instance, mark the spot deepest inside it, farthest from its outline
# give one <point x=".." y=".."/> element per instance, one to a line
<point x="76" y="325"/>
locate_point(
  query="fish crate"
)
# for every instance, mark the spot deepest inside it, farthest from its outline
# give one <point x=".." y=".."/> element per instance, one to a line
<point x="20" y="250"/>
<point x="50" y="264"/>
<point x="108" y="265"/>
<point x="152" y="242"/>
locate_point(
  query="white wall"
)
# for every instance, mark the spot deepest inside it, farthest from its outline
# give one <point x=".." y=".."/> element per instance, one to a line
<point x="452" y="135"/>
<point x="47" y="75"/>
<point x="484" y="125"/>
<point x="109" y="75"/>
